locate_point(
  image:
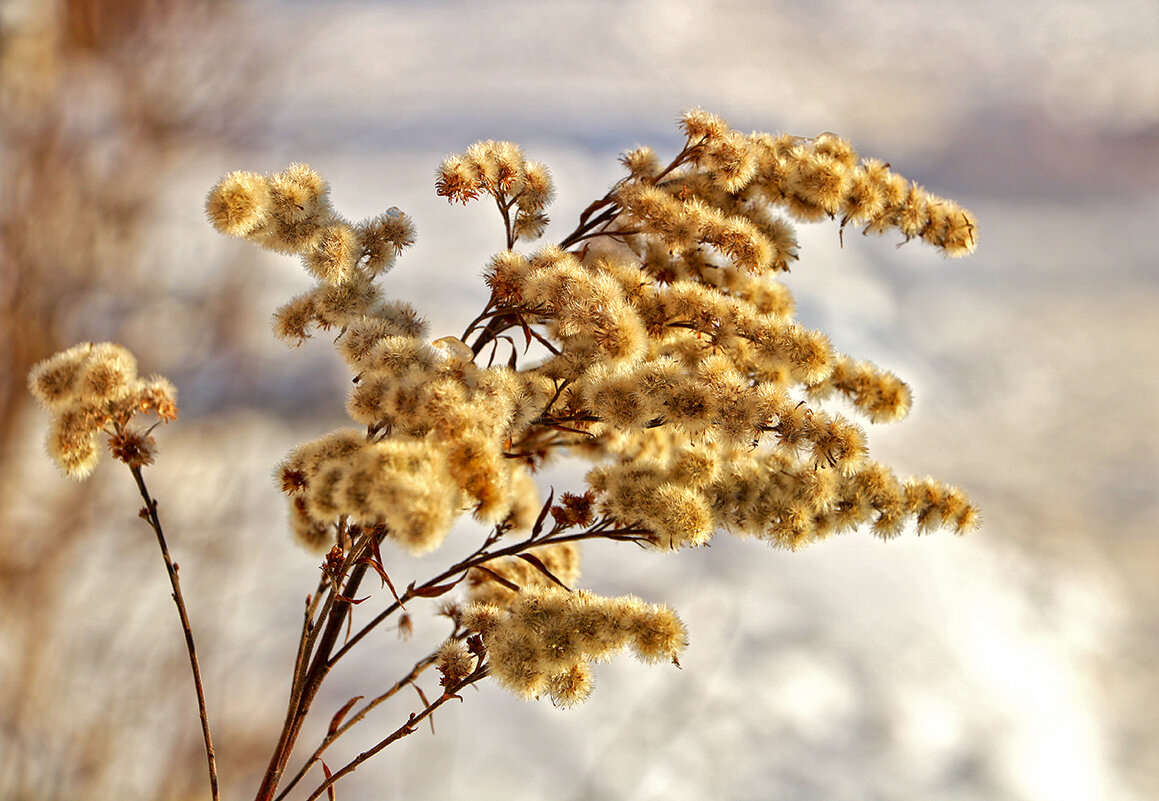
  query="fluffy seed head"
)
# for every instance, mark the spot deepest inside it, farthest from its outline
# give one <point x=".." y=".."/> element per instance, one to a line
<point x="818" y="180"/>
<point x="155" y="394"/>
<point x="108" y="374"/>
<point x="538" y="187"/>
<point x="642" y="163"/>
<point x="333" y="257"/>
<point x="382" y="238"/>
<point x="730" y="160"/>
<point x="453" y="662"/>
<point x="571" y="687"/>
<point x="298" y="194"/>
<point x="239" y="203"/>
<point x="72" y="440"/>
<point x="699" y="124"/>
<point x="55" y="381"/>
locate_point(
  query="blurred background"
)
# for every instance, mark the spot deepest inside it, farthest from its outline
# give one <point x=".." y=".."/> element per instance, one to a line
<point x="1018" y="663"/>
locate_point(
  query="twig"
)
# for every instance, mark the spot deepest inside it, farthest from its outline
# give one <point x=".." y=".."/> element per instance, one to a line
<point x="150" y="514"/>
<point x="419" y="667"/>
<point x="480" y="672"/>
<point x="319" y="666"/>
<point x="457" y="572"/>
<point x="505" y="210"/>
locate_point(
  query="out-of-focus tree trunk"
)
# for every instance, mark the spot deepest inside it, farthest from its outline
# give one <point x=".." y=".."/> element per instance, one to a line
<point x="96" y="106"/>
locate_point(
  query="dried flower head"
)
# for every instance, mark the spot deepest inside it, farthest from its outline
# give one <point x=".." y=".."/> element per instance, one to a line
<point x="239" y="203"/>
<point x="298" y="194"/>
<point x="544" y="641"/>
<point x="133" y="446"/>
<point x="92" y="389"/>
<point x="55" y="382"/>
<point x="381" y="239"/>
<point x="454" y="662"/>
<point x="700" y="125"/>
<point x="333" y="256"/>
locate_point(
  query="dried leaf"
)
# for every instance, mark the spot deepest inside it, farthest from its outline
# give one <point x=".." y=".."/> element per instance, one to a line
<point x="542" y="568"/>
<point x="329" y="775"/>
<point x="526" y="331"/>
<point x="432" y="592"/>
<point x="376" y="563"/>
<point x="426" y="704"/>
<point x="505" y="582"/>
<point x="538" y="527"/>
<point x="336" y="721"/>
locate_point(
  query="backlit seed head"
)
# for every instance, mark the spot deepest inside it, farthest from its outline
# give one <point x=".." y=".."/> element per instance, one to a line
<point x="239" y="203"/>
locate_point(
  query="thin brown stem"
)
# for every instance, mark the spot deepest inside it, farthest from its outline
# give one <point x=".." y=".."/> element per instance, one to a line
<point x="584" y="230"/>
<point x="588" y="224"/>
<point x="495" y="325"/>
<point x="150" y="514"/>
<point x="505" y="210"/>
<point x="414" y="673"/>
<point x="310" y="632"/>
<point x="301" y="668"/>
<point x="456" y="573"/>
<point x="304" y="641"/>
<point x="319" y="666"/>
<point x="487" y="312"/>
<point x="480" y="672"/>
<point x="619" y="233"/>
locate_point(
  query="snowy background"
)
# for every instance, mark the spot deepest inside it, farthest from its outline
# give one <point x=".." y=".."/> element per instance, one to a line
<point x="1019" y="663"/>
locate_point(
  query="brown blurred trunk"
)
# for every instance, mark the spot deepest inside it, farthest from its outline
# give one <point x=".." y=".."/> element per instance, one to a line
<point x="73" y="207"/>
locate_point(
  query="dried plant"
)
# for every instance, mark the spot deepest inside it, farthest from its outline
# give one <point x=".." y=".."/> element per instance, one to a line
<point x="653" y="340"/>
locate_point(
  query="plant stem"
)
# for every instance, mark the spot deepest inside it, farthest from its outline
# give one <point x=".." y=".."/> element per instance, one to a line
<point x="150" y="514"/>
<point x="457" y="572"/>
<point x="335" y="733"/>
<point x="480" y="672"/>
<point x="303" y="694"/>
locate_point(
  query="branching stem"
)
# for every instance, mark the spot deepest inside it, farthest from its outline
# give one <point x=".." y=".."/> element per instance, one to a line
<point x="480" y="672"/>
<point x="337" y="732"/>
<point x="457" y="572"/>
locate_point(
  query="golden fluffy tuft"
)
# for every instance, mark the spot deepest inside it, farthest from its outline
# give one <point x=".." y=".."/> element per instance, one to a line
<point x="239" y="203"/>
<point x="701" y="125"/>
<point x="381" y="239"/>
<point x="333" y="256"/>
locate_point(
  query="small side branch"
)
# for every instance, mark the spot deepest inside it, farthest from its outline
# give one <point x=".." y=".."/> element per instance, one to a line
<point x="345" y="726"/>
<point x="480" y="672"/>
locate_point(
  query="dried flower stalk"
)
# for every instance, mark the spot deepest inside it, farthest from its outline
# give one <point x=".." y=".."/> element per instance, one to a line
<point x="668" y="356"/>
<point x="93" y="389"/>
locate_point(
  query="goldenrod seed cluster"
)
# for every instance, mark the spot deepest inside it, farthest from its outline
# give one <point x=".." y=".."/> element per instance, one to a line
<point x="94" y="388"/>
<point x="735" y="174"/>
<point x="290" y="213"/>
<point x="665" y="350"/>
<point x="544" y="639"/>
<point x="523" y="188"/>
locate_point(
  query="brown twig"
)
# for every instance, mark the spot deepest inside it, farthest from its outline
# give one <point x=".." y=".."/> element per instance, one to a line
<point x="587" y="228"/>
<point x="480" y="672"/>
<point x="414" y="673"/>
<point x="150" y="514"/>
<point x="302" y="695"/>
<point x="505" y="209"/>
<point x="456" y="573"/>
